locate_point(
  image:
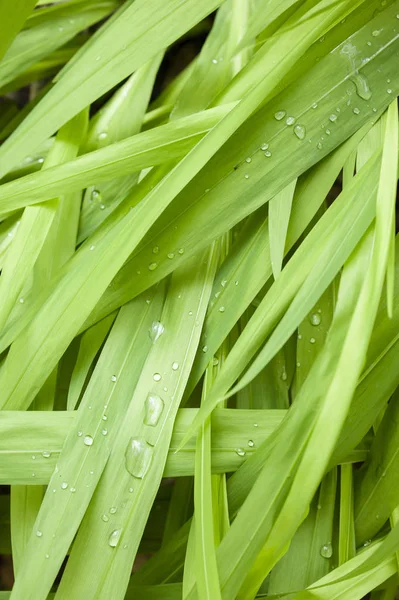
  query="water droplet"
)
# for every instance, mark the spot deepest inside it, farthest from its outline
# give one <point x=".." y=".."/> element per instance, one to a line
<point x="152" y="266"/>
<point x="256" y="425"/>
<point x="155" y="250"/>
<point x="46" y="453"/>
<point x="39" y="533"/>
<point x="104" y="431"/>
<point x="298" y="364"/>
<point x="102" y="206"/>
<point x="222" y="309"/>
<point x="215" y="361"/>
<point x="21" y="300"/>
<point x="103" y="135"/>
<point x="319" y="146"/>
<point x="156" y="377"/>
<point x="290" y="120"/>
<point x="156" y="330"/>
<point x="356" y="110"/>
<point x="251" y="443"/>
<point x="300" y="131"/>
<point x="248" y="160"/>
<point x="264" y="146"/>
<point x="105" y="518"/>
<point x="175" y="366"/>
<point x="72" y="490"/>
<point x="279" y="115"/>
<point x="268" y="154"/>
<point x="328" y="131"/>
<point x="367" y="543"/>
<point x="113" y="510"/>
<point x="312" y="340"/>
<point x="376" y="32"/>
<point x="104" y="417"/>
<point x="88" y="440"/>
<point x="113" y="378"/>
<point x="214" y="61"/>
<point x="246" y="176"/>
<point x="47" y="556"/>
<point x="284" y="375"/>
<point x="130" y="490"/>
<point x="362" y="86"/>
<point x="114" y="538"/>
<point x="240" y="452"/>
<point x="60" y="28"/>
<point x="138" y="457"/>
<point x="377" y="516"/>
<point x="154" y="406"/>
<point x="314" y="105"/>
<point x="326" y="551"/>
<point x="171" y="255"/>
<point x="389" y="91"/>
<point x="315" y="319"/>
<point x="80" y="433"/>
<point x="64" y="485"/>
<point x="92" y="247"/>
<point x="236" y="283"/>
<point x="333" y="117"/>
<point x="181" y="250"/>
<point x="33" y="457"/>
<point x="204" y="348"/>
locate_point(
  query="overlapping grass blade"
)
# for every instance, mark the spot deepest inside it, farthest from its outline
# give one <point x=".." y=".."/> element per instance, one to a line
<point x="54" y="28"/>
<point x="112" y="55"/>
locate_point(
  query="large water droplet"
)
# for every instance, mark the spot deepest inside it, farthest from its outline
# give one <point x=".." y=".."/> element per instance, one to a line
<point x="240" y="452"/>
<point x="315" y="319"/>
<point x="156" y="330"/>
<point x="157" y="377"/>
<point x="153" y="409"/>
<point x="175" y="366"/>
<point x="88" y="440"/>
<point x="280" y="114"/>
<point x="290" y="120"/>
<point x="300" y="131"/>
<point x="152" y="266"/>
<point x="362" y="86"/>
<point x="138" y="457"/>
<point x="46" y="453"/>
<point x="326" y="551"/>
<point x="114" y="538"/>
<point x="39" y="533"/>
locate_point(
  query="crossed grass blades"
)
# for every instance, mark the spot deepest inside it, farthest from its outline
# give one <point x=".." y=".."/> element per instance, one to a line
<point x="199" y="299"/>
